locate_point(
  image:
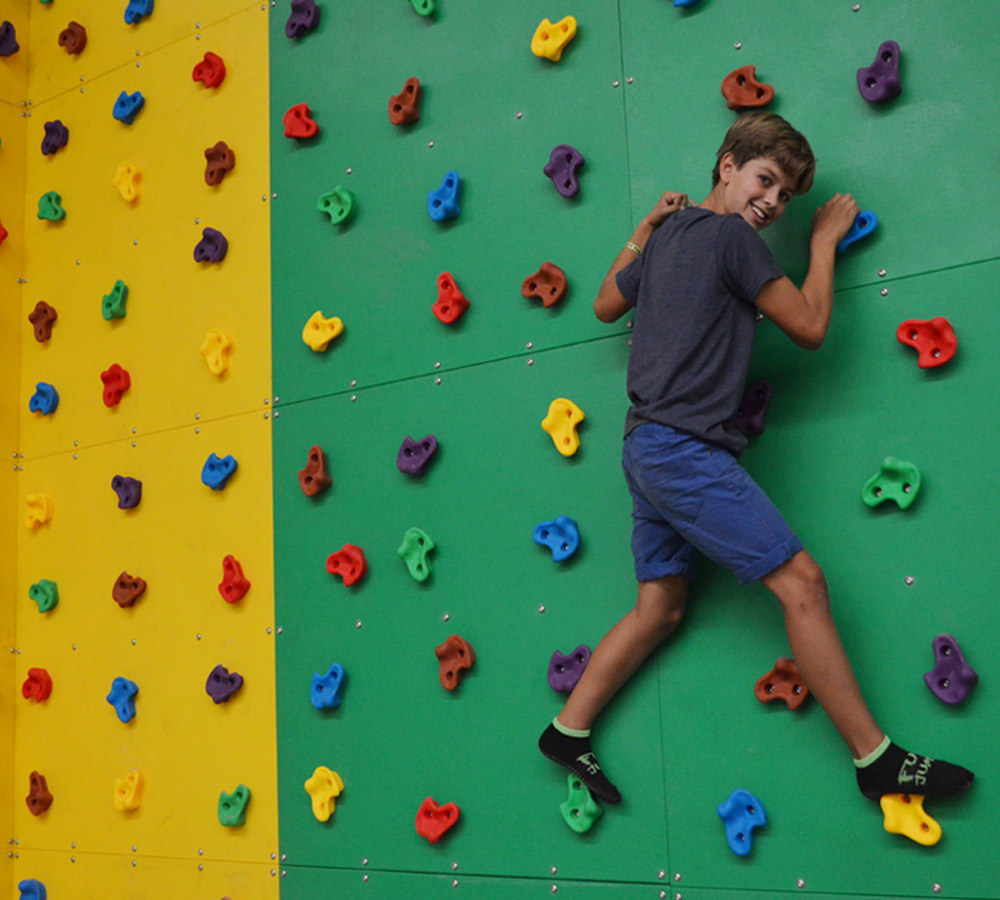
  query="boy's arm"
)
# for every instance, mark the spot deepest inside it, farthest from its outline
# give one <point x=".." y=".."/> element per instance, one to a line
<point x="610" y="305"/>
<point x="804" y="315"/>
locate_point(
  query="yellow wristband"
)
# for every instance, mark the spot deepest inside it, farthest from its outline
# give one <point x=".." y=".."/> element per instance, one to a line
<point x="630" y="246"/>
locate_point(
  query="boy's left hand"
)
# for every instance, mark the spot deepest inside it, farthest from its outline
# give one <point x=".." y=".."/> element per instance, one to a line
<point x="667" y="205"/>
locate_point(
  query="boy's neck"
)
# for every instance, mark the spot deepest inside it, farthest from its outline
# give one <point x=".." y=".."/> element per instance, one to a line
<point x="714" y="201"/>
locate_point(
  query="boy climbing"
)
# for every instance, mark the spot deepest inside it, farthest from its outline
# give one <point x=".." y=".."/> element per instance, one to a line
<point x="696" y="277"/>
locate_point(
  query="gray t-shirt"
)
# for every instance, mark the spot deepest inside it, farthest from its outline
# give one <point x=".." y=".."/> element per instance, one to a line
<point x="693" y="288"/>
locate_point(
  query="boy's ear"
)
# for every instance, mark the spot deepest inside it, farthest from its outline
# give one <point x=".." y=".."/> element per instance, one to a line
<point x="727" y="166"/>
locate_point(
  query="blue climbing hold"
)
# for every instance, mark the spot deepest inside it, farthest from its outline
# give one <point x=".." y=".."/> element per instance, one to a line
<point x="685" y="4"/>
<point x="216" y="471"/>
<point x="561" y="536"/>
<point x="31" y="889"/>
<point x="741" y="813"/>
<point x="127" y="106"/>
<point x="324" y="693"/>
<point x="864" y="224"/>
<point x="443" y="203"/>
<point x="137" y="9"/>
<point x="122" y="698"/>
<point x="45" y="399"/>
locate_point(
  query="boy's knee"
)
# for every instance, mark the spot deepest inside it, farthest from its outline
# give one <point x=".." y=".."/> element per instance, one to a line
<point x="661" y="605"/>
<point x="799" y="584"/>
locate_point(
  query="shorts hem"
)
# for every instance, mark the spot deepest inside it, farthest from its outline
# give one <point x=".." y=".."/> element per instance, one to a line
<point x="761" y="567"/>
<point x="661" y="570"/>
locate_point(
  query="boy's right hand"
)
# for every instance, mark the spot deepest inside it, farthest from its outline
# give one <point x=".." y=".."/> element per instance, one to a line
<point x="834" y="218"/>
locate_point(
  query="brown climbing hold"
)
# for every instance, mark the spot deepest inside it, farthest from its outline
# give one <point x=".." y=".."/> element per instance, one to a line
<point x="39" y="799"/>
<point x="404" y="107"/>
<point x="314" y="478"/>
<point x="73" y="38"/>
<point x="783" y="682"/>
<point x="456" y="655"/>
<point x="548" y="284"/>
<point x="42" y="317"/>
<point x="219" y="160"/>
<point x="127" y="590"/>
<point x="741" y="89"/>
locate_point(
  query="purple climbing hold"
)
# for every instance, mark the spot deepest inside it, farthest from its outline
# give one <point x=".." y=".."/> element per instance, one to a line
<point x="880" y="80"/>
<point x="304" y="17"/>
<point x="212" y="247"/>
<point x="414" y="456"/>
<point x="952" y="677"/>
<point x="56" y="136"/>
<point x="8" y="39"/>
<point x="749" y="418"/>
<point x="222" y="684"/>
<point x="561" y="168"/>
<point x="565" y="671"/>
<point x="129" y="491"/>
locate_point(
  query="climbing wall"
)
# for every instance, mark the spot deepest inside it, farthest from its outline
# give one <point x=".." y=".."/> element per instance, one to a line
<point x="183" y="750"/>
<point x="637" y="93"/>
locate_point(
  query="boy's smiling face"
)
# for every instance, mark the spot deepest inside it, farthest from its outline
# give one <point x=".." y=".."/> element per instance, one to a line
<point x="759" y="191"/>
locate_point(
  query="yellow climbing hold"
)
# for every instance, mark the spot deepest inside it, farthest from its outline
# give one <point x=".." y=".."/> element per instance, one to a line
<point x="550" y="40"/>
<point x="904" y="814"/>
<point x="319" y="331"/>
<point x="564" y="415"/>
<point x="216" y="349"/>
<point x="324" y="786"/>
<point x="127" y="181"/>
<point x="128" y="791"/>
<point x="39" y="510"/>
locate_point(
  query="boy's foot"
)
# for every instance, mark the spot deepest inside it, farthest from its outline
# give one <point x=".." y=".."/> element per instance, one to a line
<point x="575" y="754"/>
<point x="893" y="770"/>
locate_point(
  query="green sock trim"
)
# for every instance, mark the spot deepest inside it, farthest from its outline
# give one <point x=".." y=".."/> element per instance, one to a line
<point x="569" y="732"/>
<point x="875" y="754"/>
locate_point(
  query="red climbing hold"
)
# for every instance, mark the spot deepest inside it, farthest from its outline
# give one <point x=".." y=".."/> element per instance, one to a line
<point x="433" y="820"/>
<point x="349" y="563"/>
<point x="299" y="123"/>
<point x="234" y="584"/>
<point x="451" y="302"/>
<point x="37" y="686"/>
<point x="934" y="340"/>
<point x="116" y="382"/>
<point x="456" y="655"/>
<point x="783" y="682"/>
<point x="3" y="233"/>
<point x="211" y="71"/>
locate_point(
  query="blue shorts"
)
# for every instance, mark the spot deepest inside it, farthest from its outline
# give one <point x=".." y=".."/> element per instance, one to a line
<point x="691" y="496"/>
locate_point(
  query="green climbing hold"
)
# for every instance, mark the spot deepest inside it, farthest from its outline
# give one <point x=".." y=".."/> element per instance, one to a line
<point x="50" y="207"/>
<point x="580" y="809"/>
<point x="413" y="551"/>
<point x="46" y="594"/>
<point x="233" y="807"/>
<point x="113" y="304"/>
<point x="338" y="204"/>
<point x="423" y="7"/>
<point x="896" y="480"/>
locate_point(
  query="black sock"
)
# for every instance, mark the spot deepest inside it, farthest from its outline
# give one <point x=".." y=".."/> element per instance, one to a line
<point x="575" y="754"/>
<point x="897" y="771"/>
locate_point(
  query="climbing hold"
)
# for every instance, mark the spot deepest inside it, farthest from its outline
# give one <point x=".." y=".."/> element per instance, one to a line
<point x="137" y="9"/>
<point x="548" y="284"/>
<point x="37" y="686"/>
<point x="324" y="691"/>
<point x="323" y="788"/>
<point x="749" y="418"/>
<point x="299" y="123"/>
<point x="216" y="349"/>
<point x="580" y="810"/>
<point x="895" y="480"/>
<point x="42" y="318"/>
<point x="741" y="812"/>
<point x="565" y="670"/>
<point x="404" y="107"/>
<point x="413" y="551"/>
<point x="413" y="456"/>
<point x="73" y="38"/>
<point x="122" y="698"/>
<point x="455" y="656"/>
<point x="234" y="585"/>
<point x="219" y="159"/>
<point x="319" y="331"/>
<point x="934" y="340"/>
<point x="8" y="39"/>
<point x="215" y="473"/>
<point x="222" y="684"/>
<point x="561" y="536"/>
<point x="863" y="225"/>
<point x="303" y="17"/>
<point x="116" y="381"/>
<point x="742" y="89"/>
<point x="56" y="137"/>
<point x="127" y="589"/>
<point x="233" y="807"/>
<point x="952" y="677"/>
<point x="904" y="814"/>
<point x="128" y="791"/>
<point x="349" y="563"/>
<point x="451" y="302"/>
<point x="423" y="7"/>
<point x="550" y="40"/>
<point x="685" y="4"/>
<point x="563" y="417"/>
<point x="338" y="204"/>
<point x="127" y="106"/>
<point x="39" y="799"/>
<point x="45" y="400"/>
<point x="113" y="304"/>
<point x="212" y="247"/>
<point x="783" y="682"/>
<point x="45" y="593"/>
<point x="211" y="71"/>
<point x="433" y="820"/>
<point x="314" y="478"/>
<point x="880" y="80"/>
<point x="128" y="489"/>
<point x="3" y="233"/>
<point x="31" y="889"/>
<point x="50" y="207"/>
<point x="564" y="161"/>
<point x="442" y="203"/>
<point x="39" y="510"/>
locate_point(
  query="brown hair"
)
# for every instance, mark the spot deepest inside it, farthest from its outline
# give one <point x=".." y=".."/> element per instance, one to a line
<point x="761" y="133"/>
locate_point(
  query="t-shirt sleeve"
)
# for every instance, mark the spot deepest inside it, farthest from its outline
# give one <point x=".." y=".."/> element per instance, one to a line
<point x="628" y="279"/>
<point x="746" y="262"/>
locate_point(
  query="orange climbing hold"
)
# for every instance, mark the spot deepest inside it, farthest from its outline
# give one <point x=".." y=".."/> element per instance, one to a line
<point x="742" y="89"/>
<point x="455" y="656"/>
<point x="783" y="682"/>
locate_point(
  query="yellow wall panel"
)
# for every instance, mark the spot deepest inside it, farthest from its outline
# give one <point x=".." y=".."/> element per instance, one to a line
<point x="14" y="69"/>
